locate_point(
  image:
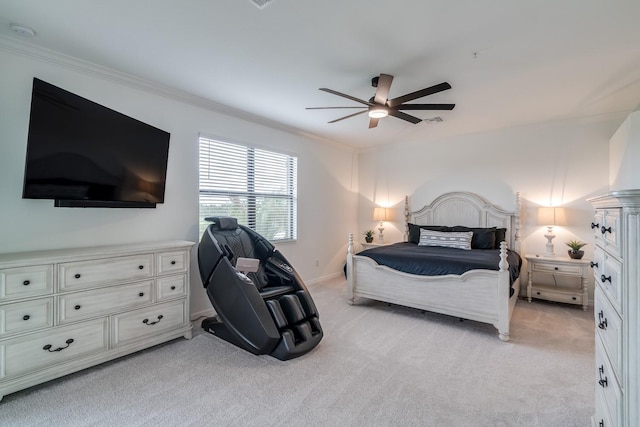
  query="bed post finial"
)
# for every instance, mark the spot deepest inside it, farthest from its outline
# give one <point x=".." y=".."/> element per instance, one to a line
<point x="504" y="264"/>
<point x="406" y="218"/>
<point x="350" y="272"/>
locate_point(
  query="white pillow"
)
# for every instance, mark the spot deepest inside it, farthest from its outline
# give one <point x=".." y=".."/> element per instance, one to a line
<point x="453" y="239"/>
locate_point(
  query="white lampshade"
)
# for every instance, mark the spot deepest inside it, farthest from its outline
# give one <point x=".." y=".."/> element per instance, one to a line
<point x="380" y="214"/>
<point x="550" y="216"/>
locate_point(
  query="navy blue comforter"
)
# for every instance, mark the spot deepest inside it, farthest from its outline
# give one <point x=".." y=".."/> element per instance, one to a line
<point x="438" y="261"/>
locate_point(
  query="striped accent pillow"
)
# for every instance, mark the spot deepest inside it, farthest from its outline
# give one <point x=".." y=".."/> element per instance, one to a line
<point x="460" y="240"/>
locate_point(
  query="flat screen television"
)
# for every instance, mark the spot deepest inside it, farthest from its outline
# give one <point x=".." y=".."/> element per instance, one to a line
<point x="82" y="154"/>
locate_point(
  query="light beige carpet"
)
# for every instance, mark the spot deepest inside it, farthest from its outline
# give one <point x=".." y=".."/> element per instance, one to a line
<point x="377" y="365"/>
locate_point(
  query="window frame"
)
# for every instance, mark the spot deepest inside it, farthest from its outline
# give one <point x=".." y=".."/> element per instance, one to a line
<point x="291" y="173"/>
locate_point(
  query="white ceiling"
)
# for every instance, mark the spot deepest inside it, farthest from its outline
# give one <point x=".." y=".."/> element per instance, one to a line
<point x="510" y="62"/>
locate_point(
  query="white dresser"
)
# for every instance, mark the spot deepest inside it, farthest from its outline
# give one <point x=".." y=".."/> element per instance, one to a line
<point x="616" y="267"/>
<point x="65" y="310"/>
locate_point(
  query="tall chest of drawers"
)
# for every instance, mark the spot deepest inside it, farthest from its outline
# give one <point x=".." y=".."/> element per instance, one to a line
<point x="65" y="310"/>
<point x="616" y="267"/>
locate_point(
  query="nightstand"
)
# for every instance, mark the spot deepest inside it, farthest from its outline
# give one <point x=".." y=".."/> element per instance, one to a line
<point x="558" y="266"/>
<point x="373" y="245"/>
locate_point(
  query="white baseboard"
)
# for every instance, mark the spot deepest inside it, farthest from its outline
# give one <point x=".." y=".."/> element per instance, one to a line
<point x="323" y="278"/>
<point x="204" y="313"/>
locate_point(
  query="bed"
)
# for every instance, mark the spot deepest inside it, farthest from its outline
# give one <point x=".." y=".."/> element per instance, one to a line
<point x="483" y="295"/>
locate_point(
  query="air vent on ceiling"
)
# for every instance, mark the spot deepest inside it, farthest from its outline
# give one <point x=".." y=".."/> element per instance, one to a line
<point x="261" y="4"/>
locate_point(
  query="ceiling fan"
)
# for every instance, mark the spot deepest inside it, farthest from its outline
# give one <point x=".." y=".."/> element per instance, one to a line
<point x="380" y="106"/>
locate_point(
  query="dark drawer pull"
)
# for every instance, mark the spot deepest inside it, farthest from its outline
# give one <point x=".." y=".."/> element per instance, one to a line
<point x="146" y="321"/>
<point x="594" y="225"/>
<point x="77" y="307"/>
<point x="555" y="268"/>
<point x="141" y="267"/>
<point x="574" y="298"/>
<point x="173" y="263"/>
<point x="604" y="278"/>
<point x="48" y="347"/>
<point x="594" y="264"/>
<point x="603" y="381"/>
<point x="141" y="294"/>
<point x="173" y="288"/>
<point x="604" y="229"/>
<point x="603" y="324"/>
<point x="601" y="423"/>
<point x="77" y="276"/>
<point x="26" y="282"/>
<point x="602" y="321"/>
<point x="26" y="317"/>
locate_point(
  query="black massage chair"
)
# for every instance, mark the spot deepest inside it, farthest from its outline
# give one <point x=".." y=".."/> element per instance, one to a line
<point x="262" y="304"/>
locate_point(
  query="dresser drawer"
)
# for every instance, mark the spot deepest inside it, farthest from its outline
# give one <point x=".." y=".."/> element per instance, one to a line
<point x="138" y="324"/>
<point x="609" y="277"/>
<point x="171" y="287"/>
<point x="556" y="268"/>
<point x="23" y="282"/>
<point x="107" y="271"/>
<point x="98" y="302"/>
<point x="172" y="262"/>
<point x="608" y="233"/>
<point x="607" y="386"/>
<point x="608" y="329"/>
<point x="551" y="293"/>
<point x="37" y="351"/>
<point x="26" y="316"/>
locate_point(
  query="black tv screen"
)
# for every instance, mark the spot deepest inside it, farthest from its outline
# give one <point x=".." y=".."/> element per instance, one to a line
<point x="82" y="154"/>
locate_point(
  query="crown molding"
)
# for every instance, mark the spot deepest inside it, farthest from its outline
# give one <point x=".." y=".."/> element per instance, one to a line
<point x="58" y="59"/>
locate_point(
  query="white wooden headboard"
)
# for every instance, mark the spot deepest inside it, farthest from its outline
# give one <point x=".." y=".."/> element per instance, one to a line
<point x="468" y="209"/>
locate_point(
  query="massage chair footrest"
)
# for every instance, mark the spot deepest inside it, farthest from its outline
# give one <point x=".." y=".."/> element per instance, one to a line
<point x="291" y="345"/>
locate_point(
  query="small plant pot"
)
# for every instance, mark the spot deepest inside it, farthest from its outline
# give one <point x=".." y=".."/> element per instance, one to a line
<point x="575" y="254"/>
<point x="368" y="239"/>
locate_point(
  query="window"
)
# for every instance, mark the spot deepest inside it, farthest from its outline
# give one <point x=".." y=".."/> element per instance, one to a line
<point x="256" y="186"/>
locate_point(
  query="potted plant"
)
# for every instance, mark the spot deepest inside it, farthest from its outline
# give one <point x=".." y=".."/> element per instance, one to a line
<point x="575" y="251"/>
<point x="368" y="236"/>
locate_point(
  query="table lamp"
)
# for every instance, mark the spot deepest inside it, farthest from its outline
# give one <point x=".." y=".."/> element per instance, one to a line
<point x="550" y="217"/>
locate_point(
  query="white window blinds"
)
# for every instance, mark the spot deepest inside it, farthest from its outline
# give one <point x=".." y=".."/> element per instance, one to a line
<point x="258" y="187"/>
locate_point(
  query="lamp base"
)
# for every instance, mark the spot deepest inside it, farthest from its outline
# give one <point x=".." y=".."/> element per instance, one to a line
<point x="380" y="236"/>
<point x="549" y="246"/>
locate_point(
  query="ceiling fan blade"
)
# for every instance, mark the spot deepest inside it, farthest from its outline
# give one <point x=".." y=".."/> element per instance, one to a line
<point x="425" y="107"/>
<point x="346" y="117"/>
<point x="404" y="116"/>
<point x="382" y="92"/>
<point x="327" y="108"/>
<point x="373" y="122"/>
<point x="344" y="95"/>
<point x="419" y="94"/>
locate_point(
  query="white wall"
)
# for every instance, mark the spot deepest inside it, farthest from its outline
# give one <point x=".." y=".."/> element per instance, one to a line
<point x="624" y="154"/>
<point x="327" y="201"/>
<point x="559" y="163"/>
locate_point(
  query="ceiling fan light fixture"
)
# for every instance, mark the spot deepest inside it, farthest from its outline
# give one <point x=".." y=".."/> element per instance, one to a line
<point x="378" y="112"/>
